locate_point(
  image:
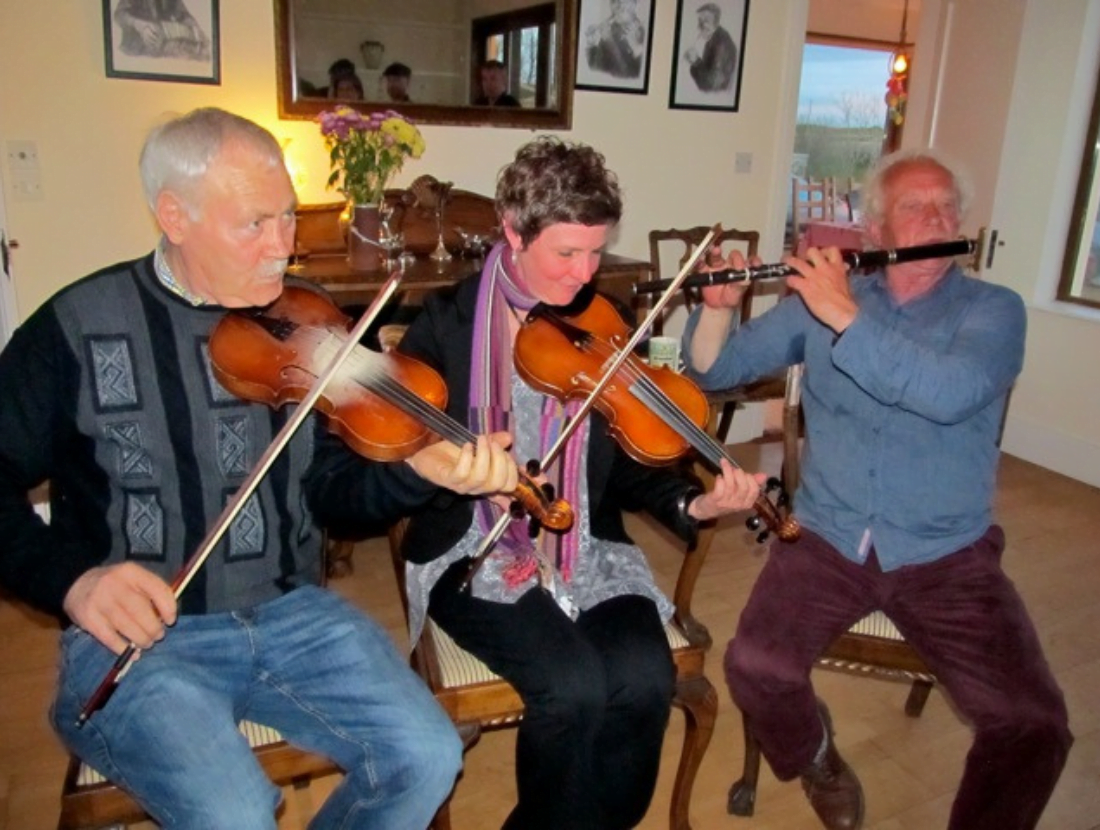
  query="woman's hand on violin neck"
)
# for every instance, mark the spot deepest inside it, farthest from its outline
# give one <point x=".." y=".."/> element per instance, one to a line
<point x="470" y="470"/>
<point x="734" y="490"/>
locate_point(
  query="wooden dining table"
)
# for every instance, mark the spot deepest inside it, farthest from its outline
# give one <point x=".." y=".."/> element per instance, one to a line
<point x="819" y="233"/>
<point x="615" y="276"/>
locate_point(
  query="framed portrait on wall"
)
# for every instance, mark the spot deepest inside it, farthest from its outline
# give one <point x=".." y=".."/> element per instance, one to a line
<point x="162" y="40"/>
<point x="708" y="55"/>
<point x="614" y="41"/>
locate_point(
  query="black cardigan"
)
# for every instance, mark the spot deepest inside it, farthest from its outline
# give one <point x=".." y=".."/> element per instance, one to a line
<point x="441" y="336"/>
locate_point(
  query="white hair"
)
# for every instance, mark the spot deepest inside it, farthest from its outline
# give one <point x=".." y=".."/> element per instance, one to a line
<point x="874" y="192"/>
<point x="178" y="153"/>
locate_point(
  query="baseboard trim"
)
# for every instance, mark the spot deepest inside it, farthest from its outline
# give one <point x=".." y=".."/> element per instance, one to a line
<point x="1039" y="443"/>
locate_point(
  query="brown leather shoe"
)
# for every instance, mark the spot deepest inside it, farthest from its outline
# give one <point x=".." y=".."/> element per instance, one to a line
<point x="832" y="787"/>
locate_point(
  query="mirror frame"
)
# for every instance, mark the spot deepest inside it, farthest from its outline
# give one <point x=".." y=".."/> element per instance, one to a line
<point x="1073" y="280"/>
<point x="294" y="107"/>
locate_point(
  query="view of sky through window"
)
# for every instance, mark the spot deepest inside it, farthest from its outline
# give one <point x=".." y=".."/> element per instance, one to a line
<point x="842" y="86"/>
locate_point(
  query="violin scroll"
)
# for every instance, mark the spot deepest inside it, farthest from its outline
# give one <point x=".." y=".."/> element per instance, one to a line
<point x="539" y="503"/>
<point x="773" y="517"/>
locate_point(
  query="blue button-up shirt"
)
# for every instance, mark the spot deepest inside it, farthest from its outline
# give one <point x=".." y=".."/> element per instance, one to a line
<point x="903" y="411"/>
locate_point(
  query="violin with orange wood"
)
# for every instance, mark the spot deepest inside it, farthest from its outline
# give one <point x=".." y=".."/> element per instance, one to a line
<point x="386" y="406"/>
<point x="656" y="414"/>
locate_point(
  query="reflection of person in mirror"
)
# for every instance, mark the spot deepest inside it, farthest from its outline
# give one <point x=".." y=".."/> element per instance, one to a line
<point x="397" y="77"/>
<point x="160" y="29"/>
<point x="347" y="88"/>
<point x="712" y="58"/>
<point x="494" y="86"/>
<point x="616" y="45"/>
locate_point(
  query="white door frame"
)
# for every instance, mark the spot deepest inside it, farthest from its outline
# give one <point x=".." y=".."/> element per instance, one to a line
<point x="9" y="316"/>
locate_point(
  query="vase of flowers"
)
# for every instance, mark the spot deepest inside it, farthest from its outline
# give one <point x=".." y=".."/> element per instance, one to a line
<point x="365" y="151"/>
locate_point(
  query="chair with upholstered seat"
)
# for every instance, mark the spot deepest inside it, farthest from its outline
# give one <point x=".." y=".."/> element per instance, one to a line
<point x="872" y="647"/>
<point x="88" y="800"/>
<point x="477" y="699"/>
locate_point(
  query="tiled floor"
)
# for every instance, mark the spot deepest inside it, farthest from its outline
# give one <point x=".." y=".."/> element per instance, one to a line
<point x="909" y="767"/>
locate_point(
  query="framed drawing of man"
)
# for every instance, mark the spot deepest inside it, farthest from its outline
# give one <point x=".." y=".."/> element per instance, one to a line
<point x="614" y="45"/>
<point x="709" y="54"/>
<point x="162" y="40"/>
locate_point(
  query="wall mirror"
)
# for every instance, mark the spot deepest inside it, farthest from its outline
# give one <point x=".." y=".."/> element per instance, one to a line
<point x="1080" y="280"/>
<point x="443" y="43"/>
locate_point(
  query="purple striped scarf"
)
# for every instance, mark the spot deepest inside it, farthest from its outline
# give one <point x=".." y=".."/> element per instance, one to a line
<point x="491" y="411"/>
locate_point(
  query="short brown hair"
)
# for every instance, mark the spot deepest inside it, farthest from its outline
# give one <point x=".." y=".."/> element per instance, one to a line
<point x="552" y="181"/>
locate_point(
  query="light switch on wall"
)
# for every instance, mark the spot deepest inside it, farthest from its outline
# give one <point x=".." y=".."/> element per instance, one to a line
<point x="742" y="163"/>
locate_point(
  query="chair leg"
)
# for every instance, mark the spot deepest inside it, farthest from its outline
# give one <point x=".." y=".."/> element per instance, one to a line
<point x="442" y="818"/>
<point x="918" y="696"/>
<point x="699" y="702"/>
<point x="338" y="561"/>
<point x="725" y="419"/>
<point x="742" y="795"/>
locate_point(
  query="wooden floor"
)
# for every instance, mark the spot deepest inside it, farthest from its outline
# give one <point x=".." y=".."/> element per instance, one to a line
<point x="909" y="767"/>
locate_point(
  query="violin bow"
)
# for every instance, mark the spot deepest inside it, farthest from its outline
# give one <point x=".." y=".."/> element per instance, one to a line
<point x="126" y="659"/>
<point x="574" y="423"/>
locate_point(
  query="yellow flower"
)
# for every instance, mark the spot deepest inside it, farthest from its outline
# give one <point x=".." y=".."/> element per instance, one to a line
<point x="364" y="152"/>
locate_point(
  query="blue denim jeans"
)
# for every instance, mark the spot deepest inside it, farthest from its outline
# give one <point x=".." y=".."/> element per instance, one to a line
<point x="308" y="664"/>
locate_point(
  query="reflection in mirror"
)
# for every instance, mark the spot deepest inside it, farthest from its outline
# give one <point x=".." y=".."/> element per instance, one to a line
<point x="1080" y="282"/>
<point x="427" y="59"/>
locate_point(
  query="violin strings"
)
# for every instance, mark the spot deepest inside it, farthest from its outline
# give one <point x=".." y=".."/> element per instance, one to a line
<point x="655" y="399"/>
<point x="363" y="366"/>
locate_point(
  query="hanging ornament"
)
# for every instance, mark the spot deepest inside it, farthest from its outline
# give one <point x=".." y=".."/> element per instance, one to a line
<point x="897" y="85"/>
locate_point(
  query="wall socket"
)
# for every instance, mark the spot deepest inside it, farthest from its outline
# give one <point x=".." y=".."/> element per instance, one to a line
<point x="26" y="175"/>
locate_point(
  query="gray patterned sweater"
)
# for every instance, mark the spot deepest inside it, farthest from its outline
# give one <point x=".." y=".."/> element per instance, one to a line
<point x="107" y="393"/>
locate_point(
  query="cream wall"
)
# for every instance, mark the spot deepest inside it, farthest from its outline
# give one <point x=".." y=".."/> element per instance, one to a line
<point x="1055" y="410"/>
<point x="676" y="167"/>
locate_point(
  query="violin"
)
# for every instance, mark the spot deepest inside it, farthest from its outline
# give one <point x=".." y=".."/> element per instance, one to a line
<point x="385" y="406"/>
<point x="656" y="414"/>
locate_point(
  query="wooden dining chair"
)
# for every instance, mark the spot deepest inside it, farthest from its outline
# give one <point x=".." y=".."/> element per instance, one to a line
<point x="476" y="699"/>
<point x="677" y="245"/>
<point x="428" y="200"/>
<point x="89" y="800"/>
<point x="811" y="200"/>
<point x="873" y="647"/>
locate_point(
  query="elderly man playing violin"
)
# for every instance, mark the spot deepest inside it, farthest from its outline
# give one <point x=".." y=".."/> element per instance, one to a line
<point x="572" y="620"/>
<point x="107" y="392"/>
<point x="907" y="374"/>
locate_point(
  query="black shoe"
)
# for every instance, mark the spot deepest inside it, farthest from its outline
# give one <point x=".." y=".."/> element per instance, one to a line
<point x="832" y="787"/>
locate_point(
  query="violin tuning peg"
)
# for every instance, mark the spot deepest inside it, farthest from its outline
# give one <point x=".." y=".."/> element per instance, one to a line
<point x="548" y="491"/>
<point x="534" y="468"/>
<point x="783" y="499"/>
<point x="762" y="537"/>
<point x="534" y="527"/>
<point x="515" y="510"/>
<point x="773" y="483"/>
<point x="753" y="522"/>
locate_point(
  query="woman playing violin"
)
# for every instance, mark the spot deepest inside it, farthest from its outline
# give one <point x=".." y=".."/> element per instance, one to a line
<point x="574" y="621"/>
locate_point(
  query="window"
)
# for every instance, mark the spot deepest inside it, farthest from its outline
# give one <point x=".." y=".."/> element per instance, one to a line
<point x="842" y="108"/>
